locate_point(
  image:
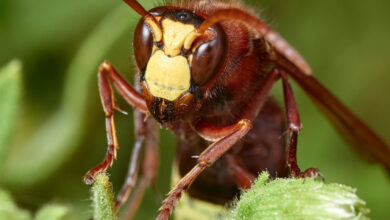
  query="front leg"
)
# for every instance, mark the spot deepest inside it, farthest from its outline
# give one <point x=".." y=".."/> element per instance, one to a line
<point x="233" y="133"/>
<point x="108" y="73"/>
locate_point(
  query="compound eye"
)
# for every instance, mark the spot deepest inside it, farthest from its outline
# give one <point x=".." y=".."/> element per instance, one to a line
<point x="142" y="44"/>
<point x="208" y="58"/>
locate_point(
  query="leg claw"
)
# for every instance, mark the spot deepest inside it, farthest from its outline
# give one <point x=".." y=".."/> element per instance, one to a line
<point x="309" y="173"/>
<point x="89" y="178"/>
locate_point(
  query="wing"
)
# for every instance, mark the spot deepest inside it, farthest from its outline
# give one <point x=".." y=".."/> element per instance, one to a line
<point x="357" y="133"/>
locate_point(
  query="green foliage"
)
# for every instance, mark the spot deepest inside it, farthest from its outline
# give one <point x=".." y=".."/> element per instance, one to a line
<point x="10" y="87"/>
<point x="296" y="198"/>
<point x="55" y="141"/>
<point x="8" y="209"/>
<point x="103" y="198"/>
<point x="52" y="212"/>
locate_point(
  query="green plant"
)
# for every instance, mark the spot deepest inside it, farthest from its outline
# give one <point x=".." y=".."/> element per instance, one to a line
<point x="10" y="89"/>
<point x="10" y="211"/>
<point x="103" y="198"/>
<point x="296" y="198"/>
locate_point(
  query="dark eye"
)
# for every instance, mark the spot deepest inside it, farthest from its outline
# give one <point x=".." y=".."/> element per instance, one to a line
<point x="142" y="44"/>
<point x="182" y="16"/>
<point x="208" y="58"/>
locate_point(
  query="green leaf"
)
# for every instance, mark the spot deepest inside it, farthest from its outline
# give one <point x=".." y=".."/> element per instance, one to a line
<point x="103" y="198"/>
<point x="297" y="198"/>
<point x="52" y="212"/>
<point x="8" y="209"/>
<point x="10" y="87"/>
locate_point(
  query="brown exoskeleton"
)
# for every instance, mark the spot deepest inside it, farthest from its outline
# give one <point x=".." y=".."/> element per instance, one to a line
<point x="205" y="72"/>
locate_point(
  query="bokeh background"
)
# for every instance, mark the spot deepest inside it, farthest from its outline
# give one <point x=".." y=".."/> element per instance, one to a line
<point x="59" y="132"/>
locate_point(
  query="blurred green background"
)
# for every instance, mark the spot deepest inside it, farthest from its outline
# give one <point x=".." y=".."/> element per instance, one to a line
<point x="59" y="126"/>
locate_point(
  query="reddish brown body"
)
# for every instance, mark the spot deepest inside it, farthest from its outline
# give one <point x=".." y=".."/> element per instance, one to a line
<point x="247" y="64"/>
<point x="228" y="127"/>
<point x="263" y="148"/>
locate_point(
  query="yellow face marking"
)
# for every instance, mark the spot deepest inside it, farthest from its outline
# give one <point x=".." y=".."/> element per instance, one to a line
<point x="167" y="77"/>
<point x="190" y="57"/>
<point x="156" y="31"/>
<point x="175" y="34"/>
<point x="190" y="39"/>
<point x="154" y="49"/>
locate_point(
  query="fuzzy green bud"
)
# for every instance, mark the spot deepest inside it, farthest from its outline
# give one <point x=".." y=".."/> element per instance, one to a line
<point x="103" y="198"/>
<point x="297" y="198"/>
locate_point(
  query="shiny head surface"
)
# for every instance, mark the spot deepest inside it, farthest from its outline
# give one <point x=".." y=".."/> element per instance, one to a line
<point x="176" y="60"/>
